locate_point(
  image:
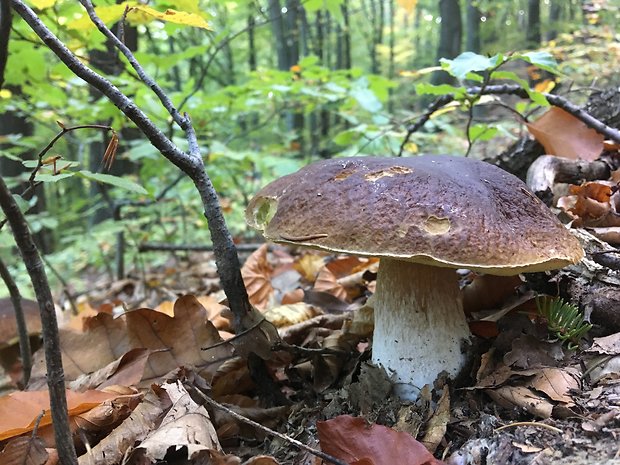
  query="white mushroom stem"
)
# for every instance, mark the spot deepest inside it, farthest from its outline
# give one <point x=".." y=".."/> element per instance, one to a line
<point x="420" y="327"/>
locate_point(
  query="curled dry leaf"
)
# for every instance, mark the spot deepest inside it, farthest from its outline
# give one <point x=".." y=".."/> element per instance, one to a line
<point x="173" y="341"/>
<point x="186" y="425"/>
<point x="232" y="377"/>
<point x="20" y="410"/>
<point x="557" y="383"/>
<point x="127" y="370"/>
<point x="521" y="397"/>
<point x="564" y="135"/>
<point x="352" y="440"/>
<point x="257" y="273"/>
<point x="343" y="277"/>
<point x="287" y="315"/>
<point x="609" y="345"/>
<point x="140" y="423"/>
<point x="24" y="450"/>
<point x="437" y="425"/>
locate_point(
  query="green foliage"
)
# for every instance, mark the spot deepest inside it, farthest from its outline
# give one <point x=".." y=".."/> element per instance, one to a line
<point x="564" y="320"/>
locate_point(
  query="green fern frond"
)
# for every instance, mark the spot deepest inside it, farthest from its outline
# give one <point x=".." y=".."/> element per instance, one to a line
<point x="563" y="319"/>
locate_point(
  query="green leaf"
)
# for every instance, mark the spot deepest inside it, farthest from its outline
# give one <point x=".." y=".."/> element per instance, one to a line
<point x="482" y="132"/>
<point x="544" y="60"/>
<point x="346" y="137"/>
<point x="467" y="62"/>
<point x="123" y="183"/>
<point x="535" y="96"/>
<point x="430" y="89"/>
<point x="366" y="99"/>
<point x="49" y="177"/>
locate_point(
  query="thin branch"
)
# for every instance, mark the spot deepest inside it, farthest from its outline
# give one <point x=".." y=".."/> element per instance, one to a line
<point x="269" y="431"/>
<point x="6" y="20"/>
<point x="165" y="247"/>
<point x="53" y="357"/>
<point x="163" y="98"/>
<point x="515" y="89"/>
<point x="224" y="249"/>
<point x="25" y="350"/>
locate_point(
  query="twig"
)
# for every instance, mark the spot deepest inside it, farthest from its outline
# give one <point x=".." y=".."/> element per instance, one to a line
<point x="6" y="20"/>
<point x="159" y="246"/>
<point x="515" y="89"/>
<point x="25" y="350"/>
<point x="53" y="357"/>
<point x="183" y="122"/>
<point x="294" y="442"/>
<point x="32" y="184"/>
<point x="191" y="164"/>
<point x="530" y="423"/>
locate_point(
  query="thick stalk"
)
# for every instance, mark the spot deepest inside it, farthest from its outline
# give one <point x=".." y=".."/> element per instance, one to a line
<point x="420" y="327"/>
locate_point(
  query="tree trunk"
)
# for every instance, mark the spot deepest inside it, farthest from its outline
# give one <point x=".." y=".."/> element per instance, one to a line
<point x="533" y="36"/>
<point x="473" y="27"/>
<point x="449" y="37"/>
<point x="343" y="41"/>
<point x="555" y="16"/>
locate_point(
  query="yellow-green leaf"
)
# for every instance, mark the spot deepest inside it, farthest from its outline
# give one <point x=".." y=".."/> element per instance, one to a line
<point x="108" y="14"/>
<point x="42" y="4"/>
<point x="138" y="14"/>
<point x="142" y="13"/>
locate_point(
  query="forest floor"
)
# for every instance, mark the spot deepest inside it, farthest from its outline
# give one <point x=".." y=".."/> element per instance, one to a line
<point x="527" y="398"/>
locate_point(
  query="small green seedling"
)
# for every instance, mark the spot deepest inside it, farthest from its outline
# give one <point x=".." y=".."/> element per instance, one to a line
<point x="563" y="319"/>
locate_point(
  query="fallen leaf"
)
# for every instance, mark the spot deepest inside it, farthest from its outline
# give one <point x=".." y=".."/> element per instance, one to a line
<point x="556" y="383"/>
<point x="522" y="397"/>
<point x="564" y="135"/>
<point x="173" y="341"/>
<point x="352" y="440"/>
<point x="257" y="273"/>
<point x="186" y="425"/>
<point x="287" y="315"/>
<point x="437" y="425"/>
<point x="127" y="370"/>
<point x="609" y="345"/>
<point x="24" y="450"/>
<point x="140" y="423"/>
<point x="20" y="410"/>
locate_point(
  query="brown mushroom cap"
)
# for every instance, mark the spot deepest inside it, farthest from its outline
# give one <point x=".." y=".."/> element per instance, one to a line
<point x="436" y="210"/>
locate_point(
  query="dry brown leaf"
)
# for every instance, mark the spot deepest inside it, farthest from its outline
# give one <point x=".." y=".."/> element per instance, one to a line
<point x="342" y="277"/>
<point x="128" y="370"/>
<point x="354" y="441"/>
<point x="186" y="425"/>
<point x="309" y="265"/>
<point x="174" y="342"/>
<point x="564" y="135"/>
<point x="609" y="345"/>
<point x="287" y="315"/>
<point x="228" y="426"/>
<point x="20" y="410"/>
<point x="257" y="273"/>
<point x="24" y="450"/>
<point x="326" y="281"/>
<point x="8" y="327"/>
<point x="521" y="397"/>
<point x="142" y="420"/>
<point x="232" y="377"/>
<point x="610" y="235"/>
<point x="556" y="383"/>
<point x="437" y="425"/>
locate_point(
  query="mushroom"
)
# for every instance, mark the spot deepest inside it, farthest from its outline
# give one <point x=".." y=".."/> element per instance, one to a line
<point x="423" y="217"/>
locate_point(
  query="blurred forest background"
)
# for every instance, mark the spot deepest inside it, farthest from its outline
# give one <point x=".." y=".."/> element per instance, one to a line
<point x="270" y="85"/>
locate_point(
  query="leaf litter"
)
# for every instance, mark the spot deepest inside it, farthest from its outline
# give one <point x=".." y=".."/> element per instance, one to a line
<point x="174" y="344"/>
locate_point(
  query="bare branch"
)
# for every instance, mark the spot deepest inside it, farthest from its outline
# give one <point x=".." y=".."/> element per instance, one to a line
<point x="53" y="357"/>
